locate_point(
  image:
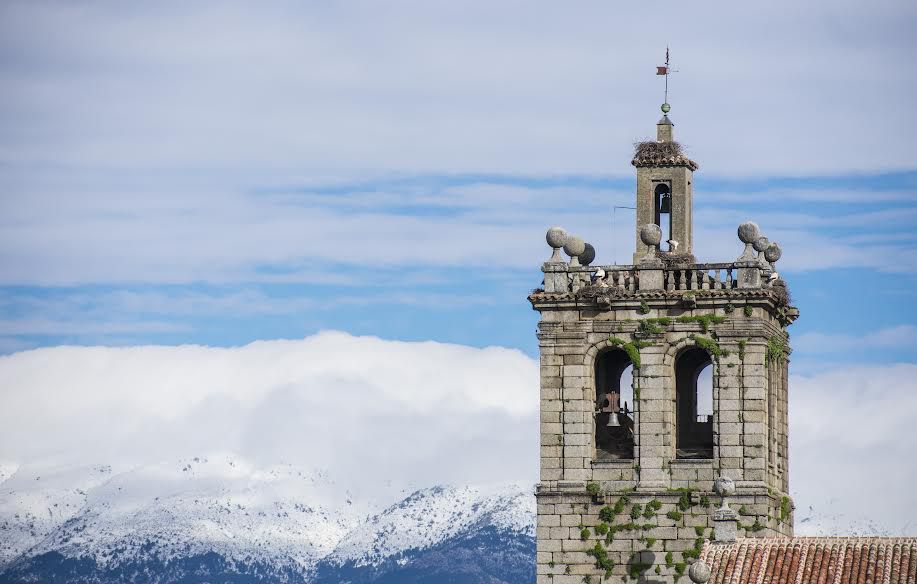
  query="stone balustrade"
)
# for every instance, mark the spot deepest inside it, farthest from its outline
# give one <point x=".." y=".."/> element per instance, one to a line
<point x="657" y="270"/>
<point x="561" y="277"/>
<point x="701" y="277"/>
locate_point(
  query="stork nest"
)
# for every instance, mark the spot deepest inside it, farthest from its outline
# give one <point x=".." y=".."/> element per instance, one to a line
<point x="596" y="291"/>
<point x="652" y="153"/>
<point x="782" y="292"/>
<point x="671" y="259"/>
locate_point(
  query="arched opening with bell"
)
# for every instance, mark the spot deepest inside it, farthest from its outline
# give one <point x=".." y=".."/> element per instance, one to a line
<point x="663" y="210"/>
<point x="614" y="397"/>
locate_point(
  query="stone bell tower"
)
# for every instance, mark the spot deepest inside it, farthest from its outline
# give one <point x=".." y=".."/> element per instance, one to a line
<point x="659" y="380"/>
<point x="664" y="189"/>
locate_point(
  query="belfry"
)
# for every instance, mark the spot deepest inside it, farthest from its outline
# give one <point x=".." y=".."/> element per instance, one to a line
<point x="663" y="391"/>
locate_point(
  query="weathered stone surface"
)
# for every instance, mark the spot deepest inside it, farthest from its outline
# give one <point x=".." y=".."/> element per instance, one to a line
<point x="746" y="441"/>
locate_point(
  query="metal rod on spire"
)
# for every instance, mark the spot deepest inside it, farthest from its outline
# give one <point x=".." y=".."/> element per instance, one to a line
<point x="666" y="100"/>
<point x="665" y="70"/>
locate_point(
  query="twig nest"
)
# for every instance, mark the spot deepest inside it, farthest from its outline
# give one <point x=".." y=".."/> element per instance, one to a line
<point x="724" y="486"/>
<point x="761" y="244"/>
<point x="587" y="256"/>
<point x="773" y="252"/>
<point x="699" y="572"/>
<point x="556" y="237"/>
<point x="651" y="234"/>
<point x="574" y="246"/>
<point x="749" y="232"/>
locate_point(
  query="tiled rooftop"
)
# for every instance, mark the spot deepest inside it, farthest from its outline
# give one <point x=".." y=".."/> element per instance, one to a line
<point x="813" y="560"/>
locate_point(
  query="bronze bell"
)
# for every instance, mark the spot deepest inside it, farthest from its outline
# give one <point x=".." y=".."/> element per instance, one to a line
<point x="610" y="407"/>
<point x="665" y="203"/>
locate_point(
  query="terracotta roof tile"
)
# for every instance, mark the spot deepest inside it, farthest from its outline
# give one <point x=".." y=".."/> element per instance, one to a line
<point x="814" y="560"/>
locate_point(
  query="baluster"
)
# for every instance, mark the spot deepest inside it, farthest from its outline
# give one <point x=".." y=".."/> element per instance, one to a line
<point x="632" y="281"/>
<point x="707" y="279"/>
<point x="717" y="283"/>
<point x="729" y="278"/>
<point x="670" y="282"/>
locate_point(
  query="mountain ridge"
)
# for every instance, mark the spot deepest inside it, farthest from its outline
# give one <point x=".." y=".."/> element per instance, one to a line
<point x="220" y="520"/>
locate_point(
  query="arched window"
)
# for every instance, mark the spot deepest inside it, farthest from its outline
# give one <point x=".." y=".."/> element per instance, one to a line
<point x="614" y="419"/>
<point x="694" y="404"/>
<point x="663" y="208"/>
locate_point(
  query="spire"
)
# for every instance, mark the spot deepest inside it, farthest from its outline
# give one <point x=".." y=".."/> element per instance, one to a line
<point x="665" y="70"/>
<point x="664" y="127"/>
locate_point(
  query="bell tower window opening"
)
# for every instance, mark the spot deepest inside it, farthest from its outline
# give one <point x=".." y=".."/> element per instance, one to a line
<point x="705" y="394"/>
<point x="662" y="203"/>
<point x="614" y="417"/>
<point x="694" y="404"/>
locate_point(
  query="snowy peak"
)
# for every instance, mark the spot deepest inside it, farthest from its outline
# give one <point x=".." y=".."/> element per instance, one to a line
<point x="430" y="516"/>
<point x="281" y="519"/>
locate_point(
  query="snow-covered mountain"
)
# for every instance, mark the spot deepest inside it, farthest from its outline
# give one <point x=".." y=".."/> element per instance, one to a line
<point x="222" y="520"/>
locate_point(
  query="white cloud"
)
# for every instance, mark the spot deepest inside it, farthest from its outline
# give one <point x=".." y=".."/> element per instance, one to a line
<point x="214" y="238"/>
<point x="901" y="336"/>
<point x="370" y="410"/>
<point x="361" y="407"/>
<point x="533" y="87"/>
<point x="852" y="444"/>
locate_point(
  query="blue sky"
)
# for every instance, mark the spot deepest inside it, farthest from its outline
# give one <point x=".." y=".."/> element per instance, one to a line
<point x="439" y="291"/>
<point x="218" y="174"/>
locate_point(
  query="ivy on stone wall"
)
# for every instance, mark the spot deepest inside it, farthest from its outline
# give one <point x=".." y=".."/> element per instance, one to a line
<point x="607" y="529"/>
<point x="709" y="345"/>
<point x="777" y="349"/>
<point x="705" y="320"/>
<point x="632" y="348"/>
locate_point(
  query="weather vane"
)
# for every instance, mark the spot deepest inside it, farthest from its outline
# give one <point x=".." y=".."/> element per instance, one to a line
<point x="665" y="70"/>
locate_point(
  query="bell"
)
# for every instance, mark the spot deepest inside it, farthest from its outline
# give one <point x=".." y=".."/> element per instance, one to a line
<point x="665" y="204"/>
<point x="611" y="408"/>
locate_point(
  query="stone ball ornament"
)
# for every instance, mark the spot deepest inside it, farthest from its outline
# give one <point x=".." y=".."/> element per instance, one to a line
<point x="761" y="244"/>
<point x="749" y="232"/>
<point x="724" y="486"/>
<point x="699" y="572"/>
<point x="651" y="234"/>
<point x="574" y="246"/>
<point x="556" y="237"/>
<point x="773" y="252"/>
<point x="587" y="256"/>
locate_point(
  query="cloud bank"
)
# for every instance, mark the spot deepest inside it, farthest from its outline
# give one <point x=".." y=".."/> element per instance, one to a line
<point x="363" y="408"/>
<point x="477" y="87"/>
<point x="374" y="411"/>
